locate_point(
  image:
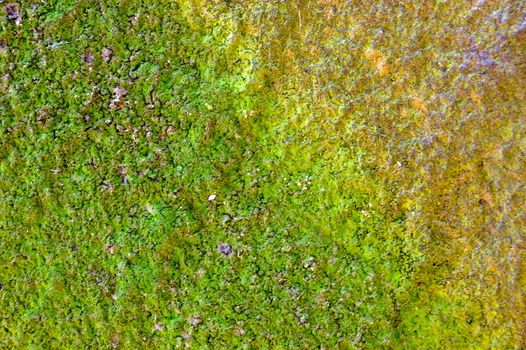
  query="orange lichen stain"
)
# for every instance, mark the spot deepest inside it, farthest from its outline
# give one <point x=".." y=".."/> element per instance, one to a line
<point x="455" y="234"/>
<point x="377" y="61"/>
<point x="487" y="198"/>
<point x="329" y="32"/>
<point x="329" y="6"/>
<point x="419" y="104"/>
<point x="468" y="248"/>
<point x="475" y="97"/>
<point x="329" y="2"/>
<point x="404" y="113"/>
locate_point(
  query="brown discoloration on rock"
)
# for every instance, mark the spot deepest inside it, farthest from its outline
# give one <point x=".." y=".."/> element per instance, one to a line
<point x="88" y="59"/>
<point x="110" y="249"/>
<point x="121" y="170"/>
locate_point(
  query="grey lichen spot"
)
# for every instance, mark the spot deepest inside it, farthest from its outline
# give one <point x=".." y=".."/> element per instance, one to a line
<point x="226" y="218"/>
<point x="195" y="320"/>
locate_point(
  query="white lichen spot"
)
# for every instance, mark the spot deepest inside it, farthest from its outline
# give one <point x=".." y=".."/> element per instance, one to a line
<point x="148" y="207"/>
<point x="118" y="94"/>
<point x="106" y="54"/>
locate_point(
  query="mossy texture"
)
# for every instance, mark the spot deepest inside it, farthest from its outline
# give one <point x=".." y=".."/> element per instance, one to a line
<point x="262" y="174"/>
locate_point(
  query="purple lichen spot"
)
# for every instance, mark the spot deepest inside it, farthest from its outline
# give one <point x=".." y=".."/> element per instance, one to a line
<point x="225" y="249"/>
<point x="12" y="12"/>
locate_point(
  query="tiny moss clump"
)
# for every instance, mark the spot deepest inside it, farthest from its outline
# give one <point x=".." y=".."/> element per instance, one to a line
<point x="287" y="174"/>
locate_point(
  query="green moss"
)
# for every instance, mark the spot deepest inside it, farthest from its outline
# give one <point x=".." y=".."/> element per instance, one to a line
<point x="362" y="160"/>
